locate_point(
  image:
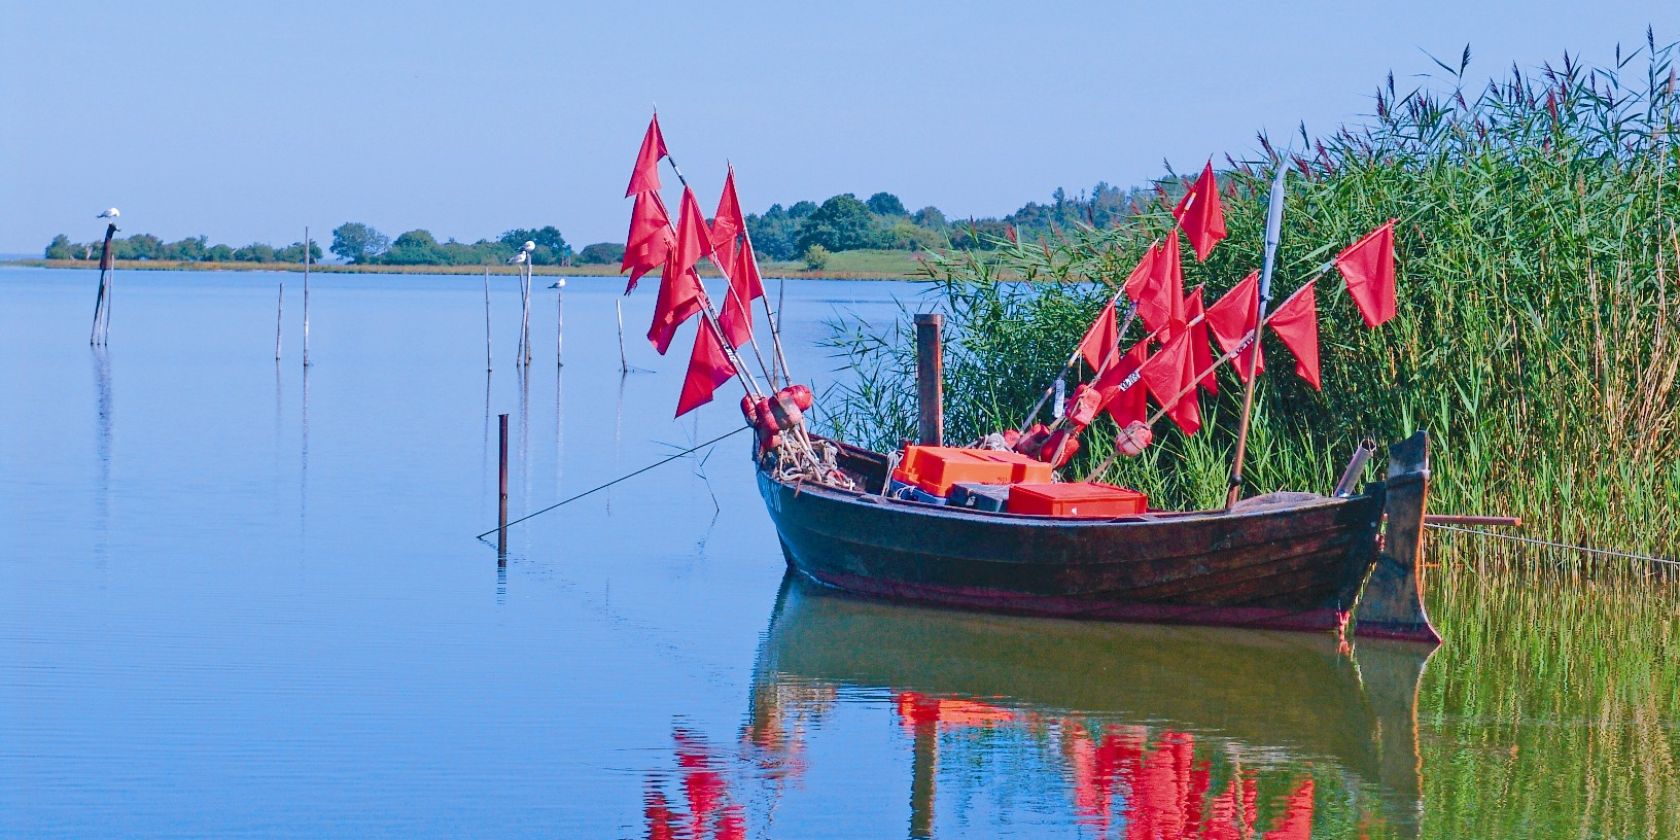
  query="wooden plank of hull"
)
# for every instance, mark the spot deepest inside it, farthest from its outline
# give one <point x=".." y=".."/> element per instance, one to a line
<point x="1296" y="567"/>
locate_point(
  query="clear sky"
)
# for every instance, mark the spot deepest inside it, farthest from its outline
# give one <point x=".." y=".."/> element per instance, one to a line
<point x="246" y="121"/>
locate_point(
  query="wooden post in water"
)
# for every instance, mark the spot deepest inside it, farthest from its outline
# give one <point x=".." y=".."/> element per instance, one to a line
<point x="501" y="504"/>
<point x="930" y="378"/>
<point x="306" y="296"/>
<point x="559" y="320"/>
<point x="623" y="365"/>
<point x="102" y="304"/>
<point x="279" y="318"/>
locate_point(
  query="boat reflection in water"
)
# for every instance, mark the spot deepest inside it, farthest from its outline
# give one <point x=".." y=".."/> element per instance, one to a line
<point x="1127" y="730"/>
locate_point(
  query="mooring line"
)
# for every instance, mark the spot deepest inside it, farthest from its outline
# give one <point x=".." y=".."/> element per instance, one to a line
<point x="600" y="487"/>
<point x="1627" y="555"/>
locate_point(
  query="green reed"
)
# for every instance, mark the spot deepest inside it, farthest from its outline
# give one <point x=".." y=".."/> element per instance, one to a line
<point x="1538" y="338"/>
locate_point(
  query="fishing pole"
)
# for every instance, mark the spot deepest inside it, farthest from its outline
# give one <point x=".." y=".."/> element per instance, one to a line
<point x="629" y="475"/>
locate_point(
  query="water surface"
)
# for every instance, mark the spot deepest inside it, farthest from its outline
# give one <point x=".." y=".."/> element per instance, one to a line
<point x="241" y="597"/>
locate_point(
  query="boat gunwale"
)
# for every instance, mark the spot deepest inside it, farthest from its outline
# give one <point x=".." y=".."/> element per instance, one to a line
<point x="1045" y="520"/>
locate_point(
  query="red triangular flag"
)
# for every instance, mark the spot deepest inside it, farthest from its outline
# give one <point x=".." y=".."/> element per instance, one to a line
<point x="727" y="223"/>
<point x="708" y="368"/>
<point x="1166" y="374"/>
<point x="746" y="285"/>
<point x="645" y="177"/>
<point x="1201" y="215"/>
<point x="1160" y="298"/>
<point x="1201" y="353"/>
<point x="1296" y="322"/>
<point x="1137" y="283"/>
<point x="1368" y="266"/>
<point x="1121" y="396"/>
<point x="1233" y="320"/>
<point x="1100" y="339"/>
<point x="649" y="239"/>
<point x="680" y="292"/>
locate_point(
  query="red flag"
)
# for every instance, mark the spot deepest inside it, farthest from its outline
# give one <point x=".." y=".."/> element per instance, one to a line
<point x="645" y="177"/>
<point x="1137" y="283"/>
<point x="649" y="240"/>
<point x="1121" y="396"/>
<point x="1201" y="353"/>
<point x="1166" y="374"/>
<point x="680" y="292"/>
<point x="1296" y="322"/>
<point x="1156" y="285"/>
<point x="708" y="368"/>
<point x="727" y="223"/>
<point x="746" y="286"/>
<point x="1368" y="266"/>
<point x="1234" y="318"/>
<point x="1100" y="339"/>
<point x="1200" y="214"/>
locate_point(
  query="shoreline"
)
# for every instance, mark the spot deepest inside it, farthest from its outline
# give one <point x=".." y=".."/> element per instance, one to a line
<point x="777" y="270"/>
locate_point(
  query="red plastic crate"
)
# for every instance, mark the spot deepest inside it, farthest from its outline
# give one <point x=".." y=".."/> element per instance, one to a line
<point x="936" y="469"/>
<point x="1076" y="500"/>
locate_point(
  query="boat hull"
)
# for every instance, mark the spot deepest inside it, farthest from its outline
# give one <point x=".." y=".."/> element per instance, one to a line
<point x="1293" y="567"/>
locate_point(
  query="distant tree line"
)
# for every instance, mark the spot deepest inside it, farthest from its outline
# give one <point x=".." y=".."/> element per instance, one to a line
<point x="844" y="223"/>
<point x="144" y="246"/>
<point x="360" y="244"/>
<point x="841" y="223"/>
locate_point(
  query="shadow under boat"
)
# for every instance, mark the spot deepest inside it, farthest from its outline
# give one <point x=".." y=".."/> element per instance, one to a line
<point x="1269" y="698"/>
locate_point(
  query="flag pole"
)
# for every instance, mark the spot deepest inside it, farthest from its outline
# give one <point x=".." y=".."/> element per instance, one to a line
<point x="1049" y="390"/>
<point x="1196" y="381"/>
<point x="706" y="309"/>
<point x="769" y="314"/>
<point x="1274" y="232"/>
<point x="798" y="432"/>
<point x="1132" y="314"/>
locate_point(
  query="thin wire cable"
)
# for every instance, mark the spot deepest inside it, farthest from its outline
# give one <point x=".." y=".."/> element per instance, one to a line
<point x="600" y="487"/>
<point x="1627" y="555"/>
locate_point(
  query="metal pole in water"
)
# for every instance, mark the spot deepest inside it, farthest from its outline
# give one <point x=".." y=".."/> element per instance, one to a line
<point x="930" y="377"/>
<point x="279" y="319"/>
<point x="489" y="363"/>
<point x="559" y="320"/>
<point x="306" y="296"/>
<point x="501" y="505"/>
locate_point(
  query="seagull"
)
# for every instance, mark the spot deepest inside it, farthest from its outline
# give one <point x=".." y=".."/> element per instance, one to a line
<point x="530" y="246"/>
<point x="517" y="259"/>
<point x="109" y="214"/>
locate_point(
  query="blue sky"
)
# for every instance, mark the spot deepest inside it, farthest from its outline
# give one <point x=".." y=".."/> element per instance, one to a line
<point x="247" y="121"/>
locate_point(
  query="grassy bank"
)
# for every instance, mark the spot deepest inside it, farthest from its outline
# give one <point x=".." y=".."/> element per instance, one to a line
<point x="1539" y="329"/>
<point x="842" y="265"/>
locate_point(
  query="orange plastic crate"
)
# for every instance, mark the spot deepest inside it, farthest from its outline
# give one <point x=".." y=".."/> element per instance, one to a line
<point x="1076" y="500"/>
<point x="936" y="469"/>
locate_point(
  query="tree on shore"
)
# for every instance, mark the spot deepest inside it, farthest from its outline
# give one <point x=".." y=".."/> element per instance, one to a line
<point x="355" y="243"/>
<point x="601" y="253"/>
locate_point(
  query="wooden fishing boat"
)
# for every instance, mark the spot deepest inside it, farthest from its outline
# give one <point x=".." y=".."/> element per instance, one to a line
<point x="1287" y="561"/>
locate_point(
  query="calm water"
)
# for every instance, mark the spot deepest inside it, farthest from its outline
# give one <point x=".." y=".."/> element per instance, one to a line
<point x="239" y="599"/>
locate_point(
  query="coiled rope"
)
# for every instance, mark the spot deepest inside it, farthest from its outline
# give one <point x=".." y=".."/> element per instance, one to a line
<point x="1626" y="555"/>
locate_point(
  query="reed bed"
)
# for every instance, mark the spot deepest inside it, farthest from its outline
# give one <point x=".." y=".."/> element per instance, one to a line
<point x="1538" y="338"/>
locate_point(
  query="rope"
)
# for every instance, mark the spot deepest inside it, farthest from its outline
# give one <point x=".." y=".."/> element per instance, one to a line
<point x="599" y="487"/>
<point x="1627" y="555"/>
